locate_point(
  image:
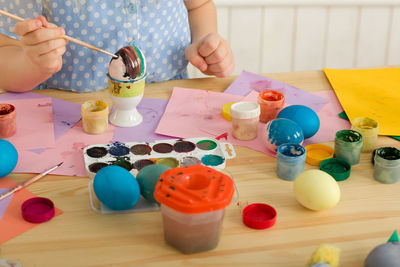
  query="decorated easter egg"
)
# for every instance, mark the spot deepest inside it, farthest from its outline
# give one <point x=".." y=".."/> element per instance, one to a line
<point x="316" y="190"/>
<point x="8" y="157"/>
<point x="281" y="131"/>
<point x="148" y="178"/>
<point x="304" y="116"/>
<point x="116" y="188"/>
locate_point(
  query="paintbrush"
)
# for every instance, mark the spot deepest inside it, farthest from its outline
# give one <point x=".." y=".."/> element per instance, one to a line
<point x="69" y="38"/>
<point x="28" y="182"/>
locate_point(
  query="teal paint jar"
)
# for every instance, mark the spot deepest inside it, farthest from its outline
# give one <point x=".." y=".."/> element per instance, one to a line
<point x="348" y="144"/>
<point x="387" y="165"/>
<point x="290" y="161"/>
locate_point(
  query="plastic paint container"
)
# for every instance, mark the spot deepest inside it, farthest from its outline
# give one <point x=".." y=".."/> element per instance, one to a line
<point x="348" y="145"/>
<point x="290" y="161"/>
<point x="271" y="103"/>
<point x="245" y="118"/>
<point x="8" y="124"/>
<point x="94" y="116"/>
<point x="369" y="129"/>
<point x="193" y="201"/>
<point x="387" y="165"/>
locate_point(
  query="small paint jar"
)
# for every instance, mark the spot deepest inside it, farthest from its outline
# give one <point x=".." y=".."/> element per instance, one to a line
<point x="8" y="123"/>
<point x="387" y="165"/>
<point x="290" y="161"/>
<point x="94" y="116"/>
<point x="369" y="129"/>
<point x="245" y="118"/>
<point x="271" y="103"/>
<point x="348" y="145"/>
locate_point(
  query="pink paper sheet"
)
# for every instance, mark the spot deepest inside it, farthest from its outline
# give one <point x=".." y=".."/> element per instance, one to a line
<point x="34" y="123"/>
<point x="197" y="113"/>
<point x="201" y="116"/>
<point x="68" y="149"/>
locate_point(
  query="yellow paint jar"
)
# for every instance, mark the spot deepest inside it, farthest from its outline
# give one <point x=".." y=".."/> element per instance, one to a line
<point x="94" y="116"/>
<point x="369" y="129"/>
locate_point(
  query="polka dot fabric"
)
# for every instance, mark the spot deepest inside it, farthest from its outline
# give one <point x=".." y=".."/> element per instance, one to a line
<point x="159" y="28"/>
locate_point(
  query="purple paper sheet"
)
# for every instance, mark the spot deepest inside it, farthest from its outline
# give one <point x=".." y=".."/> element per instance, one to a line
<point x="65" y="114"/>
<point x="248" y="81"/>
<point x="152" y="110"/>
<point x="4" y="202"/>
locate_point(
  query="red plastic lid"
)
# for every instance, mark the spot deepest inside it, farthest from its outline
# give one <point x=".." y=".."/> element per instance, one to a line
<point x="259" y="216"/>
<point x="38" y="209"/>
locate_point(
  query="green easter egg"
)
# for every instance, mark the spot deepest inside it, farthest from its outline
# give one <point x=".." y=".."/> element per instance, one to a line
<point x="148" y="178"/>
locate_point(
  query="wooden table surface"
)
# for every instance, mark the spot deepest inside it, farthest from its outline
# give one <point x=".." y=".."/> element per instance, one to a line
<point x="365" y="217"/>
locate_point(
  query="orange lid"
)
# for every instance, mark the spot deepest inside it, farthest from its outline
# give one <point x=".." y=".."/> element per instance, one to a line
<point x="194" y="189"/>
<point x="316" y="153"/>
<point x="271" y="95"/>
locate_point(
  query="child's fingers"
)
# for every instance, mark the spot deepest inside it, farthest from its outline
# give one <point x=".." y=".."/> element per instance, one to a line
<point x="42" y="35"/>
<point x="209" y="44"/>
<point x="227" y="71"/>
<point x="46" y="47"/>
<point x="43" y="20"/>
<point x="24" y="27"/>
<point x="220" y="66"/>
<point x="219" y="54"/>
<point x="192" y="55"/>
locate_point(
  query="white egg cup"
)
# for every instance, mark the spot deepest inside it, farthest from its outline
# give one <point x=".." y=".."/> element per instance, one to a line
<point x="126" y="96"/>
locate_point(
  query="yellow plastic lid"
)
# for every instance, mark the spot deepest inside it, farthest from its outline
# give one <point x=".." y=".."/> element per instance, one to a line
<point x="316" y="153"/>
<point x="226" y="111"/>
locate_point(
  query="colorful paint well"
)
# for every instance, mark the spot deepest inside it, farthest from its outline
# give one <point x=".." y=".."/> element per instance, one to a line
<point x="94" y="116"/>
<point x="133" y="156"/>
<point x="290" y="161"/>
<point x="348" y="145"/>
<point x="369" y="129"/>
<point x="8" y="123"/>
<point x="387" y="165"/>
<point x="271" y="103"/>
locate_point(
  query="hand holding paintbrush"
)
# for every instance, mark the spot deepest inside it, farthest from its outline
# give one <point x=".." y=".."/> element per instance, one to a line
<point x="66" y="37"/>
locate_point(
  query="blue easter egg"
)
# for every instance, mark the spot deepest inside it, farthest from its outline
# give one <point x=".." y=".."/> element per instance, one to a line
<point x="8" y="157"/>
<point x="281" y="131"/>
<point x="116" y="188"/>
<point x="148" y="178"/>
<point x="304" y="116"/>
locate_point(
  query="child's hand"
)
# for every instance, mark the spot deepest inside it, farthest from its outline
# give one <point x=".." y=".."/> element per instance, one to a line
<point x="42" y="43"/>
<point x="212" y="55"/>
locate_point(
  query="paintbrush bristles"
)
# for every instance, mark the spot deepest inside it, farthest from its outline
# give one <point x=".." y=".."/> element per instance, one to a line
<point x="69" y="38"/>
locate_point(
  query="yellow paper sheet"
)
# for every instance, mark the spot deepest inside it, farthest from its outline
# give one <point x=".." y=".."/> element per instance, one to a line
<point x="373" y="93"/>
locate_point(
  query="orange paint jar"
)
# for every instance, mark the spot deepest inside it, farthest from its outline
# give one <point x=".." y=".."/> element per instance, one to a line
<point x="94" y="116"/>
<point x="8" y="124"/>
<point x="271" y="103"/>
<point x="193" y="201"/>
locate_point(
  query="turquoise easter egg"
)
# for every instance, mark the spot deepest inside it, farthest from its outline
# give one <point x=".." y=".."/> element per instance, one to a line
<point x="8" y="157"/>
<point x="116" y="188"/>
<point x="148" y="178"/>
<point x="281" y="131"/>
<point x="304" y="116"/>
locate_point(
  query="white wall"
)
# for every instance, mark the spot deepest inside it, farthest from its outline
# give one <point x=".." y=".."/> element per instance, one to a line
<point x="289" y="35"/>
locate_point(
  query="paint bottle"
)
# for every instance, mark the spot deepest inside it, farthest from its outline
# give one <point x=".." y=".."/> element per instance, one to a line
<point x="193" y="201"/>
<point x="271" y="103"/>
<point x="348" y="145"/>
<point x="8" y="124"/>
<point x="245" y="118"/>
<point x="387" y="165"/>
<point x="369" y="129"/>
<point x="94" y="116"/>
<point x="290" y="161"/>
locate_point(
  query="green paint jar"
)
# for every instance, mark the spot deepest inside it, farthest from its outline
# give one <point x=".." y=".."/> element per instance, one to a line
<point x="348" y="144"/>
<point x="387" y="165"/>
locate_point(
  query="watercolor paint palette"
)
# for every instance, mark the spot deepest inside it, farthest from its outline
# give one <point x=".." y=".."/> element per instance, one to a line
<point x="135" y="155"/>
<point x="173" y="152"/>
